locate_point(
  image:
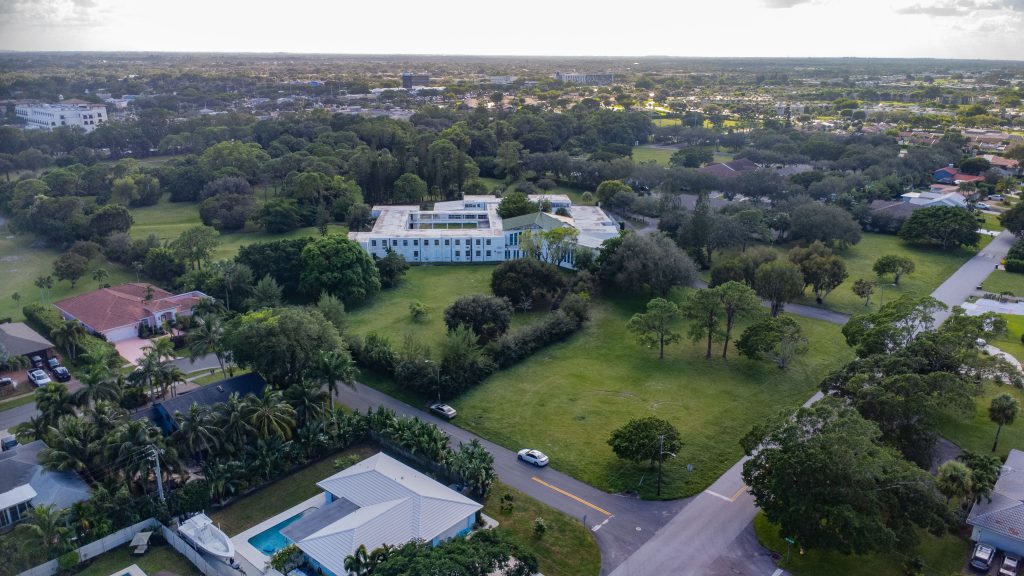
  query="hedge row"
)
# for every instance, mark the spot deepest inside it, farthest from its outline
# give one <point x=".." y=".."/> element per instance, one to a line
<point x="1015" y="266"/>
<point x="522" y="343"/>
<point x="45" y="320"/>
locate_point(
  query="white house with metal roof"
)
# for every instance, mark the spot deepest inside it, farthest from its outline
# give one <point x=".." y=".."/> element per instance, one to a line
<point x="375" y="502"/>
<point x="470" y="230"/>
<point x="999" y="520"/>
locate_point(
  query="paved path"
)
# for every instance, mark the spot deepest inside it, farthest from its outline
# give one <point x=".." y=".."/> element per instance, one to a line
<point x="955" y="290"/>
<point x="201" y="363"/>
<point x="800" y="309"/>
<point x="621" y="524"/>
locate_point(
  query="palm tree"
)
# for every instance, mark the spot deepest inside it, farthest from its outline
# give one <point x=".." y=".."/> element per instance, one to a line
<point x="147" y="370"/>
<point x="232" y="420"/>
<point x="46" y="525"/>
<point x="72" y="445"/>
<point x="308" y="400"/>
<point x="54" y="401"/>
<point x="99" y="275"/>
<point x="358" y="564"/>
<point x="1002" y="411"/>
<point x="68" y="335"/>
<point x="225" y="478"/>
<point x="31" y="430"/>
<point x="98" y="383"/>
<point x="269" y="414"/>
<point x="337" y="367"/>
<point x="163" y="348"/>
<point x="168" y="376"/>
<point x="197" y="433"/>
<point x="207" y="337"/>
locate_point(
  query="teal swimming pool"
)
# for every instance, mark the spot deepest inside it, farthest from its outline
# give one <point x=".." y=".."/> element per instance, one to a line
<point x="271" y="540"/>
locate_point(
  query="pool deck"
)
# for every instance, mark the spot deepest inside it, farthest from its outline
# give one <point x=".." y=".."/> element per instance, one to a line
<point x="256" y="558"/>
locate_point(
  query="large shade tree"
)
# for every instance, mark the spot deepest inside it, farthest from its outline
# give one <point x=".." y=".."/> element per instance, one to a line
<point x="825" y="479"/>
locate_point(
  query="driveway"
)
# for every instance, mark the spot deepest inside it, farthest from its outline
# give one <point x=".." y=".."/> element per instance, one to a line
<point x="133" y="349"/>
<point x="621" y="524"/>
<point x="955" y="290"/>
<point x="201" y="363"/>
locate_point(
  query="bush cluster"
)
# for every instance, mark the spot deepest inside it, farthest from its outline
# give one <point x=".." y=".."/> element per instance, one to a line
<point x="45" y="320"/>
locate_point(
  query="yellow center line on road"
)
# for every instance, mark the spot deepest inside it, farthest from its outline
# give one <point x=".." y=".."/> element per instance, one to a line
<point x="573" y="496"/>
<point x="738" y="492"/>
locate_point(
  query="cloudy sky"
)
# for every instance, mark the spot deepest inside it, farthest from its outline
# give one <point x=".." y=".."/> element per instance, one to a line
<point x="990" y="29"/>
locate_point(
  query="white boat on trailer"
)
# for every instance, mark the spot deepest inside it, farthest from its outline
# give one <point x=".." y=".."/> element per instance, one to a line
<point x="200" y="531"/>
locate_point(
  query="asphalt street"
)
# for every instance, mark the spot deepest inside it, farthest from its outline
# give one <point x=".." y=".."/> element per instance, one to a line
<point x="709" y="534"/>
<point x="621" y="524"/>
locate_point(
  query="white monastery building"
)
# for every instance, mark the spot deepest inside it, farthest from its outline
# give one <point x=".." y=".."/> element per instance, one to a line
<point x="85" y="115"/>
<point x="470" y="230"/>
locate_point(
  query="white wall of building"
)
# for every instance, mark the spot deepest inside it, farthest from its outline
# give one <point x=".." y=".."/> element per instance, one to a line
<point x="50" y="116"/>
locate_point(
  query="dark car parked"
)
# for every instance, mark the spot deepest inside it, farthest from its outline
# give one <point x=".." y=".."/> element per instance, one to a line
<point x="61" y="374"/>
<point x="37" y="361"/>
<point x="53" y="363"/>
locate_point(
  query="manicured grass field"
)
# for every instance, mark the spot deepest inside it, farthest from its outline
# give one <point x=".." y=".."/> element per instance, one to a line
<point x="977" y="433"/>
<point x="566" y="549"/>
<point x="649" y="153"/>
<point x="157" y="558"/>
<point x="168" y="219"/>
<point x="22" y="261"/>
<point x="1000" y="281"/>
<point x="941" y="556"/>
<point x="567" y="399"/>
<point x="933" y="266"/>
<point x="254" y="508"/>
<point x="1011" y="343"/>
<point x="435" y="286"/>
<point x="667" y="121"/>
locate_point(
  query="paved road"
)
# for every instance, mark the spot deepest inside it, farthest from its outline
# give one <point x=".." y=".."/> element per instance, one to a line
<point x="201" y="363"/>
<point x="712" y="534"/>
<point x="955" y="290"/>
<point x="800" y="309"/>
<point x="14" y="416"/>
<point x="621" y="524"/>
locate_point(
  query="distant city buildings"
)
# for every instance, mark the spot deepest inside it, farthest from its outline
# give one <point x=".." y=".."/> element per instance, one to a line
<point x="501" y="80"/>
<point x="85" y="115"/>
<point x="410" y="79"/>
<point x="585" y="79"/>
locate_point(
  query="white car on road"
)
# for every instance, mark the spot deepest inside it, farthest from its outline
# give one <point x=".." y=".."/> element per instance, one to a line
<point x="535" y="457"/>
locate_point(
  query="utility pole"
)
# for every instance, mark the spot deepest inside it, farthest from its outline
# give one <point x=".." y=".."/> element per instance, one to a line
<point x="154" y="456"/>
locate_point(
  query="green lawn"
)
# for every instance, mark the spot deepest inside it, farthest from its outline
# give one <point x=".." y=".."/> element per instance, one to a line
<point x="567" y="399"/>
<point x="667" y="121"/>
<point x="254" y="508"/>
<point x="435" y="286"/>
<point x="991" y="222"/>
<point x="157" y="558"/>
<point x="933" y="266"/>
<point x="19" y="400"/>
<point x="977" y="433"/>
<point x="566" y="549"/>
<point x="941" y="556"/>
<point x="22" y="261"/>
<point x="1000" y="281"/>
<point x="168" y="219"/>
<point x="1011" y="343"/>
<point x="649" y="153"/>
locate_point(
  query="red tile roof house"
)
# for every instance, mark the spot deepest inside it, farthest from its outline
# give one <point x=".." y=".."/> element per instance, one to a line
<point x="116" y="312"/>
<point x="949" y="175"/>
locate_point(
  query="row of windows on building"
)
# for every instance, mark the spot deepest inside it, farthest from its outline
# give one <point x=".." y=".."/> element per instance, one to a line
<point x="458" y="253"/>
<point x="426" y="242"/>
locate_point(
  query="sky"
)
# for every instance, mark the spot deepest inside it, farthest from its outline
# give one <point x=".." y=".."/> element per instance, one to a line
<point x="984" y="29"/>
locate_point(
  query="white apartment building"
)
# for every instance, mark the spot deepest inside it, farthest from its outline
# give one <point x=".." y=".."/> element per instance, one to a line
<point x="470" y="230"/>
<point x="85" y="115"/>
